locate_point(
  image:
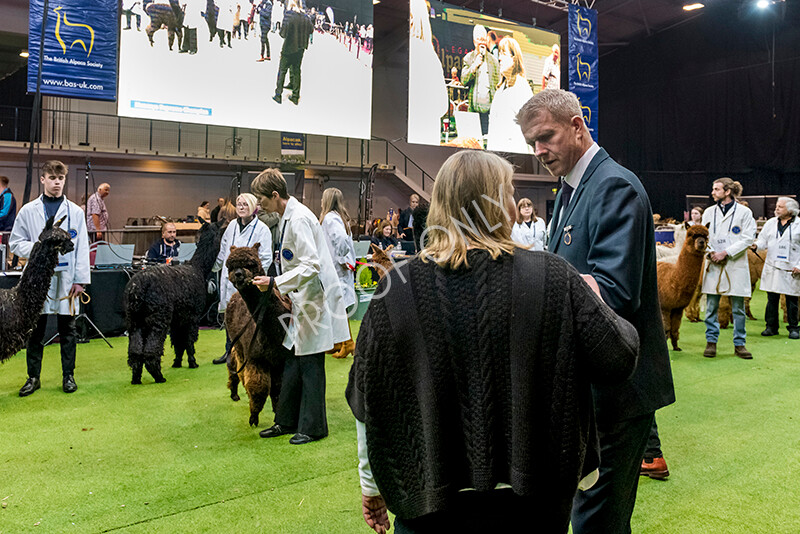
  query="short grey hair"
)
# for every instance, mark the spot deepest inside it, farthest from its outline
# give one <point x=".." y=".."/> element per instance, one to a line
<point x="791" y="205"/>
<point x="562" y="105"/>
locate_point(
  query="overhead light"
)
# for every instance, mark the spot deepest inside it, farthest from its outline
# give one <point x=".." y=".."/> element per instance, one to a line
<point x="762" y="4"/>
<point x="23" y="53"/>
<point x="376" y="2"/>
<point x="692" y="7"/>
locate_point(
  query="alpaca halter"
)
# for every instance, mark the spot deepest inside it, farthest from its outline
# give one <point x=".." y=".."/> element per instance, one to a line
<point x="83" y="297"/>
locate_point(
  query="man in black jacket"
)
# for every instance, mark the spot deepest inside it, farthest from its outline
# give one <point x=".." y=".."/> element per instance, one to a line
<point x="296" y="31"/>
<point x="603" y="225"/>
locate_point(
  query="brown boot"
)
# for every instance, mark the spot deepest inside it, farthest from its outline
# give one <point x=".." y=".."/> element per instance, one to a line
<point x="742" y="352"/>
<point x="711" y="350"/>
<point x="336" y="350"/>
<point x="657" y="469"/>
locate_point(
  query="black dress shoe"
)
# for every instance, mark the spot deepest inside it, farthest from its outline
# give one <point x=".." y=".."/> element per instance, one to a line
<point x="794" y="334"/>
<point x="31" y="385"/>
<point x="302" y="439"/>
<point x="69" y="385"/>
<point x="222" y="359"/>
<point x="275" y="431"/>
<point x="769" y="332"/>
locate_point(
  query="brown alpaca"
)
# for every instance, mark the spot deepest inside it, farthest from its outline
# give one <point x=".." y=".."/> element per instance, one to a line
<point x="382" y="258"/>
<point x="257" y="355"/>
<point x="677" y="282"/>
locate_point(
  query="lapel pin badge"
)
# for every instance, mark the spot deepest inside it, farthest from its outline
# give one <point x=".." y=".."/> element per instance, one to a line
<point x="567" y="235"/>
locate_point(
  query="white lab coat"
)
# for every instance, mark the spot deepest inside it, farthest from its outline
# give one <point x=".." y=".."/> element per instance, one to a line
<point x="225" y="15"/>
<point x="191" y="15"/>
<point x="255" y="232"/>
<point x="783" y="254"/>
<point x="308" y="277"/>
<point x="73" y="267"/>
<point x="343" y="252"/>
<point x="530" y="236"/>
<point x="734" y="233"/>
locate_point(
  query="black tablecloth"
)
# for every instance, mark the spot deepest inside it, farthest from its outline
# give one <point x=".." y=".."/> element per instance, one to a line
<point x="105" y="309"/>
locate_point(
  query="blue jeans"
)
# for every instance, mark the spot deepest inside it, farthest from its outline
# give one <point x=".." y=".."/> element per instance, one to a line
<point x="712" y="322"/>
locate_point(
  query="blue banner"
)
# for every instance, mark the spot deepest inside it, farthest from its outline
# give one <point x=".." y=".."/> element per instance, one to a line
<point x="293" y="144"/>
<point x="583" y="62"/>
<point x="80" y="48"/>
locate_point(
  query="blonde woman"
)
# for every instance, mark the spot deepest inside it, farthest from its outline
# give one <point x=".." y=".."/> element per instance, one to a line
<point x="336" y="225"/>
<point x="473" y="371"/>
<point x="513" y="91"/>
<point x="244" y="231"/>
<point x="528" y="229"/>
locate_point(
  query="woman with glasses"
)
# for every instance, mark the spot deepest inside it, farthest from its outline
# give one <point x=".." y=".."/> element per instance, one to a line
<point x="244" y="231"/>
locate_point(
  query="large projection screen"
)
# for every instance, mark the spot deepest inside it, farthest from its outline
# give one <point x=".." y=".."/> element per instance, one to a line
<point x="213" y="72"/>
<point x="466" y="95"/>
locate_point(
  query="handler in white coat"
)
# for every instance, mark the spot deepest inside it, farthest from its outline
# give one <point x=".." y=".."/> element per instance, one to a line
<point x="732" y="230"/>
<point x="343" y="252"/>
<point x="72" y="272"/>
<point x="318" y="320"/>
<point x="780" y="236"/>
<point x="529" y="230"/>
<point x="244" y="231"/>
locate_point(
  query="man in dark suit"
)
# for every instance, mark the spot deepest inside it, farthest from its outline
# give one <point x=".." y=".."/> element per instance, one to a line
<point x="295" y="30"/>
<point x="406" y="221"/>
<point x="603" y="225"/>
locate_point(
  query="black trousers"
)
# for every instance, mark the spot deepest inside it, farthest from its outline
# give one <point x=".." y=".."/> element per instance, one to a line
<point x="128" y="15"/>
<point x="265" y="44"/>
<point x="189" y="43"/>
<point x="773" y="309"/>
<point x="607" y="506"/>
<point x="35" y="349"/>
<point x="653" y="449"/>
<point x="289" y="63"/>
<point x="301" y="404"/>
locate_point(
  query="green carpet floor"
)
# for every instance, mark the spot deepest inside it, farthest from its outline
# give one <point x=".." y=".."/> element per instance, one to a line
<point x="180" y="456"/>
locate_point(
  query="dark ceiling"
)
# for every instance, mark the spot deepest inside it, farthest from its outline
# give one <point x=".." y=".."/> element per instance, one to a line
<point x="620" y="22"/>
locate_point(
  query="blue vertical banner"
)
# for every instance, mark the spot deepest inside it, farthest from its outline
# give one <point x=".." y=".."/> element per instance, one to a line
<point x="80" y="48"/>
<point x="583" y="62"/>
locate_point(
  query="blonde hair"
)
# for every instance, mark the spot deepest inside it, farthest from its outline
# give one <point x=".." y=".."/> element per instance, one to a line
<point x="523" y="203"/>
<point x="510" y="47"/>
<point x="250" y="199"/>
<point x="729" y="184"/>
<point x="469" y="209"/>
<point x="333" y="201"/>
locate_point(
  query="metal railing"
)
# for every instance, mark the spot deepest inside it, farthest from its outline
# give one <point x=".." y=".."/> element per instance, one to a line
<point x="101" y="132"/>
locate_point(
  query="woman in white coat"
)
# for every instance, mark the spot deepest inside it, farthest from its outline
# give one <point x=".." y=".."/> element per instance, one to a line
<point x="72" y="271"/>
<point x="244" y="231"/>
<point x="780" y="236"/>
<point x="732" y="230"/>
<point x="336" y="225"/>
<point x="529" y="230"/>
<point x="318" y="318"/>
<point x="514" y="90"/>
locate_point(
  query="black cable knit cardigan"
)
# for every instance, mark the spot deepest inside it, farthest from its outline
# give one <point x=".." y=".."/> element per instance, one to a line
<point x="481" y="375"/>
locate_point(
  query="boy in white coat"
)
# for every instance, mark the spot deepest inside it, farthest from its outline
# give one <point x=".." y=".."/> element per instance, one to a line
<point x="732" y="230"/>
<point x="72" y="272"/>
<point x="318" y="321"/>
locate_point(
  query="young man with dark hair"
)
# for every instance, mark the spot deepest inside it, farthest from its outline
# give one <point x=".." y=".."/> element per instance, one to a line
<point x="72" y="271"/>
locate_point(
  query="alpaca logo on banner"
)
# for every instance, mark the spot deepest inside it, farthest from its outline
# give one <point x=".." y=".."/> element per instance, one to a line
<point x="79" y="57"/>
<point x="75" y="25"/>
<point x="583" y="63"/>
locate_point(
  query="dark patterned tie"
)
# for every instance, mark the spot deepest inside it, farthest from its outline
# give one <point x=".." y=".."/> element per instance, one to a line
<point x="566" y="194"/>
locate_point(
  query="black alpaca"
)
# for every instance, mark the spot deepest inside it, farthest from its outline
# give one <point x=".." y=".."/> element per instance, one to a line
<point x="168" y="299"/>
<point x="257" y="355"/>
<point x="20" y="306"/>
